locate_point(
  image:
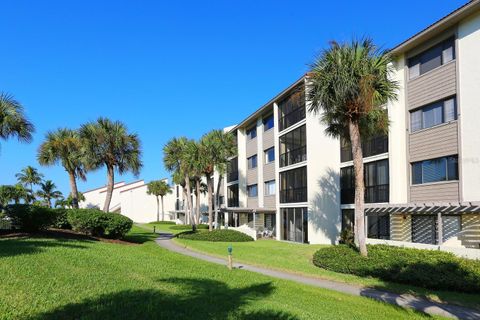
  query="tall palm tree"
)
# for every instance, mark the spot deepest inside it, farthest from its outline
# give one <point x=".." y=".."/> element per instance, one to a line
<point x="29" y="176"/>
<point x="64" y="146"/>
<point x="159" y="188"/>
<point x="108" y="143"/>
<point x="179" y="156"/>
<point x="216" y="148"/>
<point x="350" y="84"/>
<point x="48" y="192"/>
<point x="13" y="122"/>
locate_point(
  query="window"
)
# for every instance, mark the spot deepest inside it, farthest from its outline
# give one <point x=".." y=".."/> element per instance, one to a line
<point x="293" y="185"/>
<point x="376" y="176"/>
<point x="252" y="190"/>
<point x="292" y="109"/>
<point x="432" y="58"/>
<point x="270" y="188"/>
<point x="435" y="170"/>
<point x="269" y="155"/>
<point x="348" y="219"/>
<point x="293" y="147"/>
<point x="268" y="123"/>
<point x="232" y="196"/>
<point x="232" y="170"/>
<point x="378" y="227"/>
<point x="433" y="114"/>
<point x="252" y="162"/>
<point x="252" y="133"/>
<point x="370" y="147"/>
<point x="295" y="224"/>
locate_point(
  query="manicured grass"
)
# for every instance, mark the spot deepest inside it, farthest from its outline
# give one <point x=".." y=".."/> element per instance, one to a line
<point x="297" y="258"/>
<point x="46" y="278"/>
<point x="166" y="227"/>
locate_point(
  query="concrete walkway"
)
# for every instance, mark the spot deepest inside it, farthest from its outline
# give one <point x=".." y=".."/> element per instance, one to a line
<point x="403" y="300"/>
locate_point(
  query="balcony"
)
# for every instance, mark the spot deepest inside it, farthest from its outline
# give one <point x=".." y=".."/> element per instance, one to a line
<point x="233" y="202"/>
<point x="293" y="195"/>
<point x="232" y="176"/>
<point x="370" y="147"/>
<point x="294" y="156"/>
<point x="373" y="194"/>
<point x="291" y="118"/>
<point x="179" y="206"/>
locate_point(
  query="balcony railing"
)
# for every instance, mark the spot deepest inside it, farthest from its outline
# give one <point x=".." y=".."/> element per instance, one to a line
<point x="233" y="203"/>
<point x="373" y="194"/>
<point x="232" y="176"/>
<point x="291" y="118"/>
<point x="293" y="156"/>
<point x="371" y="147"/>
<point x="293" y="195"/>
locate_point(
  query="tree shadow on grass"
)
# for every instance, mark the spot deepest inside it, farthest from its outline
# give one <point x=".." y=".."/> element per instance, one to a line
<point x="182" y="298"/>
<point x="18" y="246"/>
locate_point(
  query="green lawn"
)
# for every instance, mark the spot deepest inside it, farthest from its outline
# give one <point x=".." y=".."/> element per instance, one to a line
<point x="297" y="258"/>
<point x="46" y="278"/>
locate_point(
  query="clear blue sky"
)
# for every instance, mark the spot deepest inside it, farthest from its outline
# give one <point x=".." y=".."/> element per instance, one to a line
<point x="171" y="68"/>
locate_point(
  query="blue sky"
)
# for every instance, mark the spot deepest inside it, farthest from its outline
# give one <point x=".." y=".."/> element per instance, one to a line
<point x="171" y="68"/>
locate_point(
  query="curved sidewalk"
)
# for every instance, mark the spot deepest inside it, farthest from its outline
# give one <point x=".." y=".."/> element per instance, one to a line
<point x="403" y="300"/>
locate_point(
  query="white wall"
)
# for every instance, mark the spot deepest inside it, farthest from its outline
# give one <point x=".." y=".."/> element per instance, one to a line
<point x="323" y="178"/>
<point x="242" y="168"/>
<point x="468" y="57"/>
<point x="96" y="198"/>
<point x="115" y="204"/>
<point x="397" y="140"/>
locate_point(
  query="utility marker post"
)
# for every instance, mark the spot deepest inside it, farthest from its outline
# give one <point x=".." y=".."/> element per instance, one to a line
<point x="230" y="260"/>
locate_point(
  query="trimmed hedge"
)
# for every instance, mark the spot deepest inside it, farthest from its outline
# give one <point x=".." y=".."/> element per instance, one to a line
<point x="188" y="227"/>
<point x="98" y="223"/>
<point x="424" y="268"/>
<point x="61" y="220"/>
<point x="30" y="218"/>
<point x="223" y="235"/>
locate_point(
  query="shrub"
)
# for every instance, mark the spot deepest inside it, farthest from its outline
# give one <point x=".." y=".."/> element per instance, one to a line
<point x="98" y="223"/>
<point x="61" y="220"/>
<point x="189" y="227"/>
<point x="223" y="235"/>
<point x="347" y="237"/>
<point x="425" y="268"/>
<point x="30" y="218"/>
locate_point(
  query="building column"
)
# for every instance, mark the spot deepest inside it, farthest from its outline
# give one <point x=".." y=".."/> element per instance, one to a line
<point x="439" y="228"/>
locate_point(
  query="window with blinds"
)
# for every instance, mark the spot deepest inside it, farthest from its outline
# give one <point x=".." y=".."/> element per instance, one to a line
<point x="433" y="114"/>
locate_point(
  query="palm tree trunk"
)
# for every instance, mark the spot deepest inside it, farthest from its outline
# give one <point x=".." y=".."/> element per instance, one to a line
<point x="32" y="199"/>
<point x="217" y="200"/>
<point x="158" y="212"/>
<point x="210" y="201"/>
<point x="185" y="205"/>
<point x="74" y="190"/>
<point x="189" y="202"/>
<point x="110" y="182"/>
<point x="197" y="200"/>
<point x="356" y="142"/>
<point x="163" y="213"/>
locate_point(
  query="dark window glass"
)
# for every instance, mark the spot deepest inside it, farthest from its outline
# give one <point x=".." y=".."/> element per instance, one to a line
<point x="252" y="162"/>
<point x="376" y="177"/>
<point x="378" y="227"/>
<point x="252" y="133"/>
<point x="293" y="185"/>
<point x="232" y="195"/>
<point x="295" y="224"/>
<point x="268" y="123"/>
<point x="292" y="109"/>
<point x="370" y="147"/>
<point x="348" y="219"/>
<point x="293" y="147"/>
<point x="433" y="114"/>
<point x="435" y="170"/>
<point x="432" y="58"/>
<point x="232" y="170"/>
<point x="252" y="190"/>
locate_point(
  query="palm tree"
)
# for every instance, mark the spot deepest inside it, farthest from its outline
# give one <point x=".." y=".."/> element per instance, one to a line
<point x="198" y="188"/>
<point x="29" y="176"/>
<point x="47" y="192"/>
<point x="64" y="146"/>
<point x="159" y="188"/>
<point x="68" y="202"/>
<point x="13" y="122"/>
<point x="349" y="86"/>
<point x="108" y="143"/>
<point x="179" y="156"/>
<point x="216" y="147"/>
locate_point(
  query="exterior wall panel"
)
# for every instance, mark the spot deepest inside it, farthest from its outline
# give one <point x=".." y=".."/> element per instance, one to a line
<point x="269" y="202"/>
<point x="251" y="147"/>
<point x="470" y="234"/>
<point x="269" y="171"/>
<point x="252" y="202"/>
<point x="434" y="142"/>
<point x="432" y="86"/>
<point x="400" y="228"/>
<point x="252" y="176"/>
<point x="442" y="192"/>
<point x="268" y="139"/>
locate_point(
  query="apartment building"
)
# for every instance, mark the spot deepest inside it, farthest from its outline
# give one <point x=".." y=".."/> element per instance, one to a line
<point x="422" y="180"/>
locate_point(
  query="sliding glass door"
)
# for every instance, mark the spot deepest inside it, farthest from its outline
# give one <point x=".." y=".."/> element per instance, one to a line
<point x="295" y="224"/>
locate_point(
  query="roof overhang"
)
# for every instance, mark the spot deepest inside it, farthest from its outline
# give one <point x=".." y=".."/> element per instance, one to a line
<point x="451" y="208"/>
<point x="441" y="25"/>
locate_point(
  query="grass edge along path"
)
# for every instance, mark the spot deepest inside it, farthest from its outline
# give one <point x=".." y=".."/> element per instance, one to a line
<point x="51" y="278"/>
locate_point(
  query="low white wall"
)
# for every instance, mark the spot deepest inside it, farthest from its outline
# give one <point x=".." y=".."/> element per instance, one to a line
<point x="458" y="251"/>
<point x="246" y="230"/>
